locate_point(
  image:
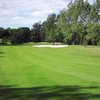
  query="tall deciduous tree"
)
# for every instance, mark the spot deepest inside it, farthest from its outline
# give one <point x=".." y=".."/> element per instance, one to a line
<point x="37" y="33"/>
<point x="50" y="28"/>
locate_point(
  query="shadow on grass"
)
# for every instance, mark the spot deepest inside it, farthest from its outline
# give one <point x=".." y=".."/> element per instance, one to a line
<point x="1" y="54"/>
<point x="47" y="93"/>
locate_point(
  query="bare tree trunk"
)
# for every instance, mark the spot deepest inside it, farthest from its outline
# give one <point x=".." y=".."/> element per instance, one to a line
<point x="53" y="41"/>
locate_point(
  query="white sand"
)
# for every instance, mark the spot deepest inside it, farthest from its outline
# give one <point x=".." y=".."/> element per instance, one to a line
<point x="51" y="46"/>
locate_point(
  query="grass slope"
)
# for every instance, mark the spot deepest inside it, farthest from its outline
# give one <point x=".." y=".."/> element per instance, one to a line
<point x="75" y="66"/>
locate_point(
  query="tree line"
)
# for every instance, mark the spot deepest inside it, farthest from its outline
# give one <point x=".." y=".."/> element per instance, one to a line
<point x="78" y="24"/>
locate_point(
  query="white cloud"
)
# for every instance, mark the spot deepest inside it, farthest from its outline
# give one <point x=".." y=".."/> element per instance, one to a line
<point x="18" y="13"/>
<point x="18" y="18"/>
<point x="26" y="12"/>
<point x="42" y="12"/>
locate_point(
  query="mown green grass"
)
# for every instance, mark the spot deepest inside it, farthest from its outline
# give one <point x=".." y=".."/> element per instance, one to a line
<point x="27" y="66"/>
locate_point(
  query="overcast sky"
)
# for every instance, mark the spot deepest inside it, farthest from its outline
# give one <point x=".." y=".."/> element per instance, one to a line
<point x="24" y="13"/>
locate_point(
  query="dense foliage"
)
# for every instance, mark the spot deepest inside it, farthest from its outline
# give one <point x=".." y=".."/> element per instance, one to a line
<point x="79" y="24"/>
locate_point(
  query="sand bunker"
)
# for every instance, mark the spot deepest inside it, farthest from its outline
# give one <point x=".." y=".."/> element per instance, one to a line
<point x="51" y="46"/>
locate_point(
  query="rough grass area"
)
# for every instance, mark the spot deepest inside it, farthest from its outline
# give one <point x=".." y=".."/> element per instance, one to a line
<point x="71" y="73"/>
<point x="36" y="43"/>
